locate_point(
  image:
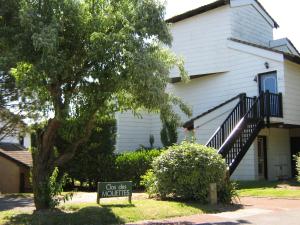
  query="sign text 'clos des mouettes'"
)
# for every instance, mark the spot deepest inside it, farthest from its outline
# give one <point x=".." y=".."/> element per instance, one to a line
<point x="114" y="189"/>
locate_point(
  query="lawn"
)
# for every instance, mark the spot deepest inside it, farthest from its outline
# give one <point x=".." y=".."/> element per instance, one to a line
<point x="115" y="212"/>
<point x="276" y="189"/>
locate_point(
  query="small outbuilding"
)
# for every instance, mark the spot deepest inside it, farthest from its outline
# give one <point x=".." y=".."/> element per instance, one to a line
<point x="15" y="164"/>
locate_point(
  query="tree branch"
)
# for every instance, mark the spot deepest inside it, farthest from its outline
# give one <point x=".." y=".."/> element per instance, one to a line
<point x="70" y="152"/>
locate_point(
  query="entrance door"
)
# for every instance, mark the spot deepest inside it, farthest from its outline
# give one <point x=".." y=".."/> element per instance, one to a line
<point x="262" y="157"/>
<point x="268" y="82"/>
<point x="295" y="149"/>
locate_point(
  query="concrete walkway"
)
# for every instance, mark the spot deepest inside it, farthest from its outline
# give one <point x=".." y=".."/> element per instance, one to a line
<point x="258" y="211"/>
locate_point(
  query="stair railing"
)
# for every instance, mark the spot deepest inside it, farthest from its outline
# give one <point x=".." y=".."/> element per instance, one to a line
<point x="222" y="133"/>
<point x="255" y="114"/>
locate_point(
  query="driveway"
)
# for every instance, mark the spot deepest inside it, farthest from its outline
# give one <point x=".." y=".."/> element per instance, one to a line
<point x="18" y="203"/>
<point x="258" y="211"/>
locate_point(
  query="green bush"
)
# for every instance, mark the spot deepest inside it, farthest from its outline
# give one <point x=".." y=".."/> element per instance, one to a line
<point x="297" y="159"/>
<point x="132" y="165"/>
<point x="185" y="171"/>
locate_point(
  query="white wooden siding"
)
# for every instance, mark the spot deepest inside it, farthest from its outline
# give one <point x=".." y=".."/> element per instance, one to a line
<point x="201" y="39"/>
<point x="247" y="23"/>
<point x="291" y="102"/>
<point x="246" y="170"/>
<point x="15" y="140"/>
<point x="278" y="152"/>
<point x="209" y="91"/>
<point x="133" y="132"/>
<point x="206" y="126"/>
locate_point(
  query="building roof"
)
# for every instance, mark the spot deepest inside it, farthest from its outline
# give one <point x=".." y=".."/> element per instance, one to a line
<point x="210" y="6"/>
<point x="199" y="10"/>
<point x="287" y="56"/>
<point x="16" y="153"/>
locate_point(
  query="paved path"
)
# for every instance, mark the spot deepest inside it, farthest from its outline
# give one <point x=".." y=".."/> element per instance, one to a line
<point x="258" y="211"/>
<point x="18" y="203"/>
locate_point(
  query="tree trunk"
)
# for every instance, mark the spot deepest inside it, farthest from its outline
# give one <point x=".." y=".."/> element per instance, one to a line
<point x="40" y="183"/>
<point x="43" y="157"/>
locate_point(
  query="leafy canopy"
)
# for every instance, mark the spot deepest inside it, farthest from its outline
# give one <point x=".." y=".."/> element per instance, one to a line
<point x="79" y="58"/>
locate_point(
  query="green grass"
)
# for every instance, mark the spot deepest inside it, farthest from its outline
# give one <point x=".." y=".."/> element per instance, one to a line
<point x="116" y="212"/>
<point x="274" y="189"/>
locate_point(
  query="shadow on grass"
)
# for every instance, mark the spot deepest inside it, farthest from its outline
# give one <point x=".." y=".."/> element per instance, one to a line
<point x="238" y="222"/>
<point x="118" y="206"/>
<point x="88" y="215"/>
<point x="212" y="209"/>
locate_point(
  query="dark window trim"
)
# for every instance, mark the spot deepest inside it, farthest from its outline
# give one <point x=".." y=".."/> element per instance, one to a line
<point x="266" y="73"/>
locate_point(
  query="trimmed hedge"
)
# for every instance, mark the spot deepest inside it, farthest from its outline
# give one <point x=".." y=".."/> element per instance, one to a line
<point x="132" y="165"/>
<point x="185" y="171"/>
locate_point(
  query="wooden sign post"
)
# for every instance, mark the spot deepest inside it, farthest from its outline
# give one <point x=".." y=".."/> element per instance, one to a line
<point x="114" y="189"/>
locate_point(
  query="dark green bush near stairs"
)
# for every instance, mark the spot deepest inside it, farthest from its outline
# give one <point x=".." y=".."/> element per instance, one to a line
<point x="132" y="165"/>
<point x="185" y="171"/>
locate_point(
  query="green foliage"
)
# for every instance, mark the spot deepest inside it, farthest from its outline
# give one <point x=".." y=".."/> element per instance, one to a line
<point x="168" y="134"/>
<point x="132" y="165"/>
<point x="57" y="52"/>
<point x="186" y="170"/>
<point x="94" y="160"/>
<point x="297" y="159"/>
<point x="149" y="181"/>
<point x="77" y="60"/>
<point x="53" y="189"/>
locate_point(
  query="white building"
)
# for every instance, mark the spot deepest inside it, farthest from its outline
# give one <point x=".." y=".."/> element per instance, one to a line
<point x="228" y="48"/>
<point x="15" y="136"/>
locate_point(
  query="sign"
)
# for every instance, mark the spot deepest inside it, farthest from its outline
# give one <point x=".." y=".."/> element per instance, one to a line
<point x="114" y="189"/>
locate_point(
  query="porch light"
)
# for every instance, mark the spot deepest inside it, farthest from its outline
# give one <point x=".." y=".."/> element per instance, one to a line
<point x="267" y="65"/>
<point x="255" y="78"/>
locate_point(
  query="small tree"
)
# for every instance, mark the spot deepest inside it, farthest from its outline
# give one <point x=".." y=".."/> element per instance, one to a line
<point x="168" y="134"/>
<point x="151" y="140"/>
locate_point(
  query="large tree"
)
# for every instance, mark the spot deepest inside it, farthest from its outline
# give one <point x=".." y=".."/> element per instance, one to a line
<point x="76" y="60"/>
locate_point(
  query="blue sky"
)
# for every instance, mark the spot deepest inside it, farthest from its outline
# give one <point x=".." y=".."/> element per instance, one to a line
<point x="285" y="12"/>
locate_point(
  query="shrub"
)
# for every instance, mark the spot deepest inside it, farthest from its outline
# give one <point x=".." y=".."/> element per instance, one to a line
<point x="132" y="165"/>
<point x="185" y="171"/>
<point x="297" y="159"/>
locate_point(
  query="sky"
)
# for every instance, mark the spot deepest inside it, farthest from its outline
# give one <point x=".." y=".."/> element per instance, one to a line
<point x="285" y="12"/>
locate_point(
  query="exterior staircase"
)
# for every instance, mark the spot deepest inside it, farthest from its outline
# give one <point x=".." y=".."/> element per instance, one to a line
<point x="235" y="136"/>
